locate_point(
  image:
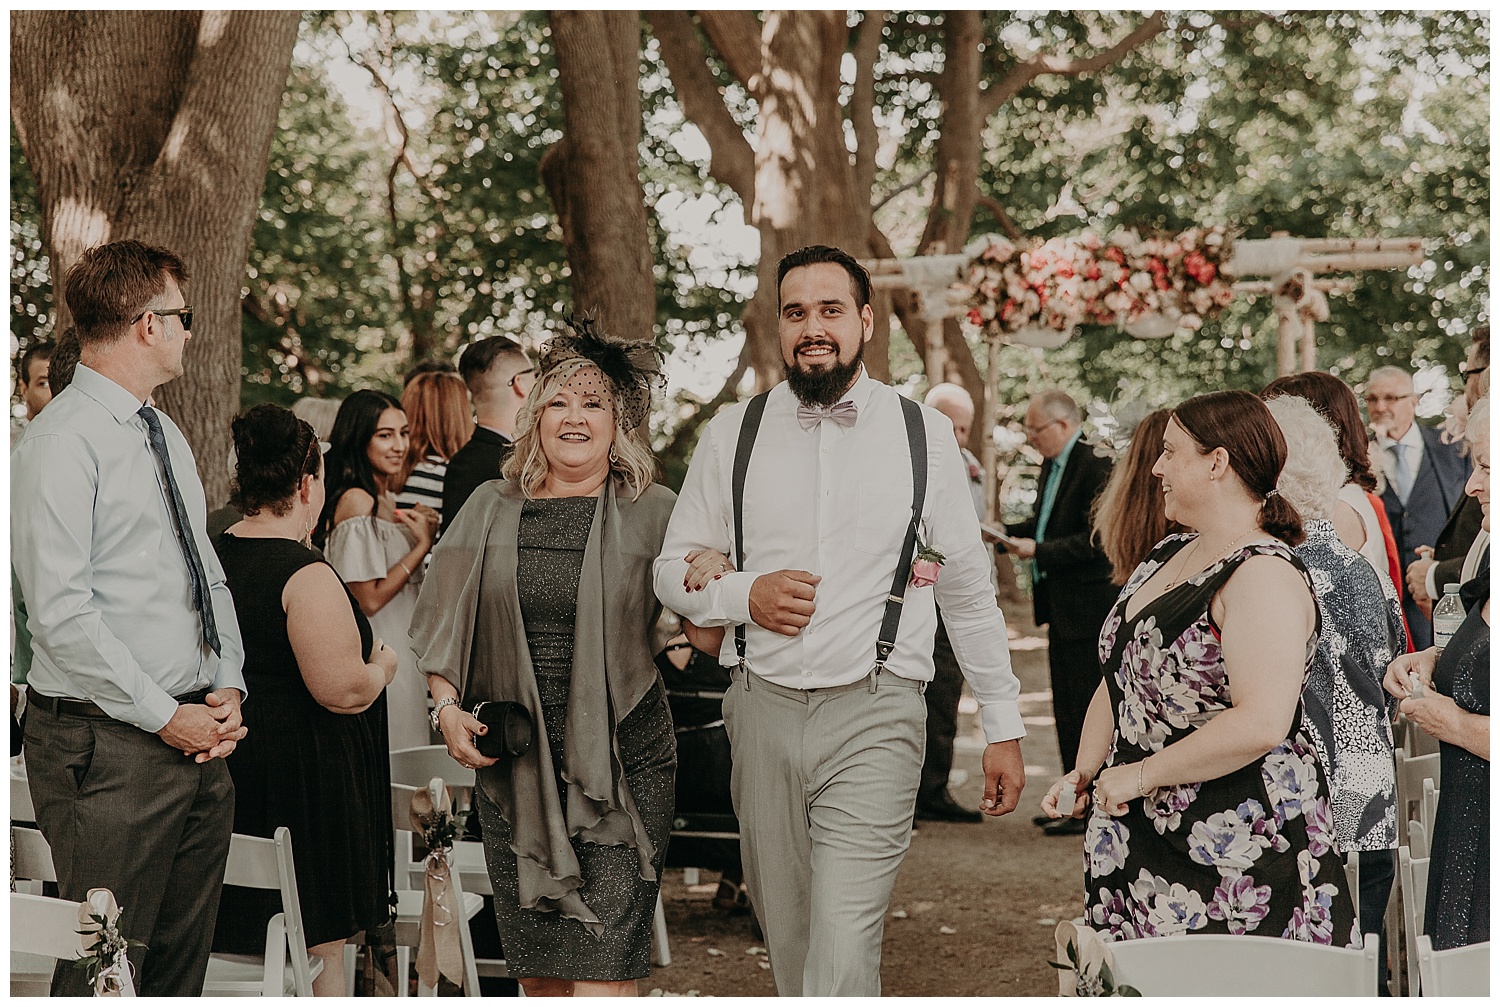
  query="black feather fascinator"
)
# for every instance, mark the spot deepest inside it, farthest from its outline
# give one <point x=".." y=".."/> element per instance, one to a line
<point x="633" y="369"/>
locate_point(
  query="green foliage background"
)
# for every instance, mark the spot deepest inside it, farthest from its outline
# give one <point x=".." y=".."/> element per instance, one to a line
<point x="1317" y="124"/>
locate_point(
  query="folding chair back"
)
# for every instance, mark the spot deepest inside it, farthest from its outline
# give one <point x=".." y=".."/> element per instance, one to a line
<point x="1235" y="965"/>
<point x="1457" y="972"/>
<point x="31" y="857"/>
<point x="1428" y="818"/>
<point x="266" y="864"/>
<point x="1413" y="881"/>
<point x="410" y="901"/>
<point x="1411" y="770"/>
<point x="20" y="801"/>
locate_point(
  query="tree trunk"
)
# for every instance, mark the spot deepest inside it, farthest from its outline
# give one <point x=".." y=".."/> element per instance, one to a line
<point x="157" y="126"/>
<point x="592" y="175"/>
<point x="804" y="183"/>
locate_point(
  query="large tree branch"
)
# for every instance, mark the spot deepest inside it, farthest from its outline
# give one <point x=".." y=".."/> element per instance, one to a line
<point x="862" y="105"/>
<point x="735" y="34"/>
<point x="1061" y="66"/>
<point x="731" y="158"/>
<point x="992" y="204"/>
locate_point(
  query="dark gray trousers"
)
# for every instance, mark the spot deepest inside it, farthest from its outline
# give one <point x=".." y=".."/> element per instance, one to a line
<point x="124" y="810"/>
<point x="942" y="695"/>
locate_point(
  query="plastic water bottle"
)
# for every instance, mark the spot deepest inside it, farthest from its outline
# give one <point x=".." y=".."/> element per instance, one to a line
<point x="1447" y="616"/>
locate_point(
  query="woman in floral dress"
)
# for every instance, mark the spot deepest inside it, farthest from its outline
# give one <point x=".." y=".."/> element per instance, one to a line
<point x="1210" y="813"/>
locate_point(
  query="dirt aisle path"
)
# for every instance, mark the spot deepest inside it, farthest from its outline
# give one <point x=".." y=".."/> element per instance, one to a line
<point x="974" y="906"/>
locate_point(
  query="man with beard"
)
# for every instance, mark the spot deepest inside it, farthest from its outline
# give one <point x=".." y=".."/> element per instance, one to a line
<point x="834" y="640"/>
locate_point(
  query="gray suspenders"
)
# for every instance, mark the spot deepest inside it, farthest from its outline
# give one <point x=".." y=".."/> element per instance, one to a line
<point x="916" y="438"/>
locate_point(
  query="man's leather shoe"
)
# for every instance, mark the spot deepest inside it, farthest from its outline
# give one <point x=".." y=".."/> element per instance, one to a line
<point x="946" y="809"/>
<point x="1042" y="820"/>
<point x="1066" y="827"/>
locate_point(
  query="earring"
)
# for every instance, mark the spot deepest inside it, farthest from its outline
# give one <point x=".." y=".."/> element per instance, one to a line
<point x="613" y="457"/>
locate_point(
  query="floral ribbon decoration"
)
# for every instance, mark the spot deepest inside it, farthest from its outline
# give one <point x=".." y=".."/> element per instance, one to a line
<point x="925" y="565"/>
<point x="1090" y="968"/>
<point x="439" y="948"/>
<point x="104" y="959"/>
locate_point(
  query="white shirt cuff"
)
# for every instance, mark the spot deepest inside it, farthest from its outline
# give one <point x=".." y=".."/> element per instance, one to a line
<point x="1001" y="721"/>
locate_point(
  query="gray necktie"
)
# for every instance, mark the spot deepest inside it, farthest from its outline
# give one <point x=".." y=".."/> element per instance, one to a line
<point x="197" y="577"/>
<point x="1401" y="476"/>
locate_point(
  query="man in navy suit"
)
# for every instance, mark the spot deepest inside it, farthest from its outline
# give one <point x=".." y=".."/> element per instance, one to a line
<point x="1424" y="478"/>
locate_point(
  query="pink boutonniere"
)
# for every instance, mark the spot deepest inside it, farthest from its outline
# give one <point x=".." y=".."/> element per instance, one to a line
<point x="926" y="565"/>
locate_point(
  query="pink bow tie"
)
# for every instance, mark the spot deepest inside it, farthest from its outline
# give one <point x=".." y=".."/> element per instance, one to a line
<point x="844" y="414"/>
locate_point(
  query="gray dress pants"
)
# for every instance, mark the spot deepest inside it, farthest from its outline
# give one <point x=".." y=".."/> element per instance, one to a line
<point x="824" y="784"/>
<point x="124" y="810"/>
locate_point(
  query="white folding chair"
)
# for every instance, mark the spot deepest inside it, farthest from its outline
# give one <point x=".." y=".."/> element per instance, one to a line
<point x="1413" y="881"/>
<point x="43" y="933"/>
<point x="1416" y="839"/>
<point x="1414" y="741"/>
<point x="416" y="767"/>
<point x="1428" y="817"/>
<point x="1351" y="872"/>
<point x="1411" y="770"/>
<point x="1235" y="965"/>
<point x="1457" y="972"/>
<point x="20" y="801"/>
<point x="285" y="968"/>
<point x="409" y="903"/>
<point x="30" y="865"/>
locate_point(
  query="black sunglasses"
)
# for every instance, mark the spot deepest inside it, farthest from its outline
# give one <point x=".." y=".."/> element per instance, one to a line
<point x="186" y="313"/>
<point x="1468" y="372"/>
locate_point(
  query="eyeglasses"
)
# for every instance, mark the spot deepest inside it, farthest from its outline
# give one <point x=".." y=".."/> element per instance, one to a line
<point x="1386" y="400"/>
<point x="185" y="312"/>
<point x="1468" y="372"/>
<point x="1033" y="431"/>
<point x="516" y="376"/>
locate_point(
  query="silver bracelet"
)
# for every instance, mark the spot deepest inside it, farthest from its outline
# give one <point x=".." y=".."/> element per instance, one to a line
<point x="438" y="707"/>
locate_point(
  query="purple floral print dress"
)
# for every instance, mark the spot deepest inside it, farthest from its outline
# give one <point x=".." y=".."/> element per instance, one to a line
<point x="1251" y="852"/>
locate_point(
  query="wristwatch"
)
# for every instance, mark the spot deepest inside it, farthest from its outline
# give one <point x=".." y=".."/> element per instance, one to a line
<point x="437" y="708"/>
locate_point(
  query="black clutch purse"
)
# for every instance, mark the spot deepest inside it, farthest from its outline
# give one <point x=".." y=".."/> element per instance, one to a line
<point x="510" y="730"/>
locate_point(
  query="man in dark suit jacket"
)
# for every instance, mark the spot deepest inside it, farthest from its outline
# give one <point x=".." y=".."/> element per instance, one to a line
<point x="1071" y="588"/>
<point x="499" y="377"/>
<point x="1424" y="477"/>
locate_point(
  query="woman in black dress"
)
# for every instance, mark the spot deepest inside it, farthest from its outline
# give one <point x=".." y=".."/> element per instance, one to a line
<point x="315" y="758"/>
<point x="540" y="593"/>
<point x="1210" y="810"/>
<point x="1453" y="705"/>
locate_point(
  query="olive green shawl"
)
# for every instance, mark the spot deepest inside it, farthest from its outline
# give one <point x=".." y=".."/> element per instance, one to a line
<point x="468" y="629"/>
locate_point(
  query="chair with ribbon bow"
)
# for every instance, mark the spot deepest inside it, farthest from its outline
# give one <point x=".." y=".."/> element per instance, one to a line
<point x="434" y="920"/>
<point x="45" y="931"/>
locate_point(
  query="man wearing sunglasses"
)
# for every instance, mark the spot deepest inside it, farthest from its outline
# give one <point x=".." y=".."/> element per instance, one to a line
<point x="1424" y="478"/>
<point x="499" y="377"/>
<point x="135" y="681"/>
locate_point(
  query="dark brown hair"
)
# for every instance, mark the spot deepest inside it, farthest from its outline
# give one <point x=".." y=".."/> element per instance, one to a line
<point x="64" y="361"/>
<point x="110" y="285"/>
<point x="1336" y="401"/>
<point x="859" y="276"/>
<point x="273" y="450"/>
<point x="1239" y="423"/>
<point x="1130" y="514"/>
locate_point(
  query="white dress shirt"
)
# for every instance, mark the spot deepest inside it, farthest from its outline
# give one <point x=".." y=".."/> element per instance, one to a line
<point x="1373" y="550"/>
<point x="108" y="600"/>
<point x="835" y="502"/>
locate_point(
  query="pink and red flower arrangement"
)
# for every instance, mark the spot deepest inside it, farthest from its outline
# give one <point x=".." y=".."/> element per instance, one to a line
<point x="1086" y="279"/>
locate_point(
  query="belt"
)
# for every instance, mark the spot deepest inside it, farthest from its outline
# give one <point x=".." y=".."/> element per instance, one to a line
<point x="58" y="706"/>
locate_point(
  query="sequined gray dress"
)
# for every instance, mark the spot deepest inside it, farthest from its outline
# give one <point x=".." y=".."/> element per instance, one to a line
<point x="1345" y="711"/>
<point x="551" y="540"/>
<point x="1458" y="879"/>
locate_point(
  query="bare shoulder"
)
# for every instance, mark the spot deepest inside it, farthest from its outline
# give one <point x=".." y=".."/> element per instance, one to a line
<point x="314" y="582"/>
<point x="354" y="503"/>
<point x="1268" y="581"/>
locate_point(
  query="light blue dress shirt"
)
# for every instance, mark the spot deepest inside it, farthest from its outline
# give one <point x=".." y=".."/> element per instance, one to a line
<point x="107" y="594"/>
<point x="1049" y="497"/>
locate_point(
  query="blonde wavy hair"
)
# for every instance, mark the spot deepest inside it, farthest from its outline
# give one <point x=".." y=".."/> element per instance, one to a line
<point x="630" y="460"/>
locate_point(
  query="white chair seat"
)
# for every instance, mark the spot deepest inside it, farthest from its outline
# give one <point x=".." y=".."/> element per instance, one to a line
<point x="409" y="913"/>
<point x="244" y="975"/>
